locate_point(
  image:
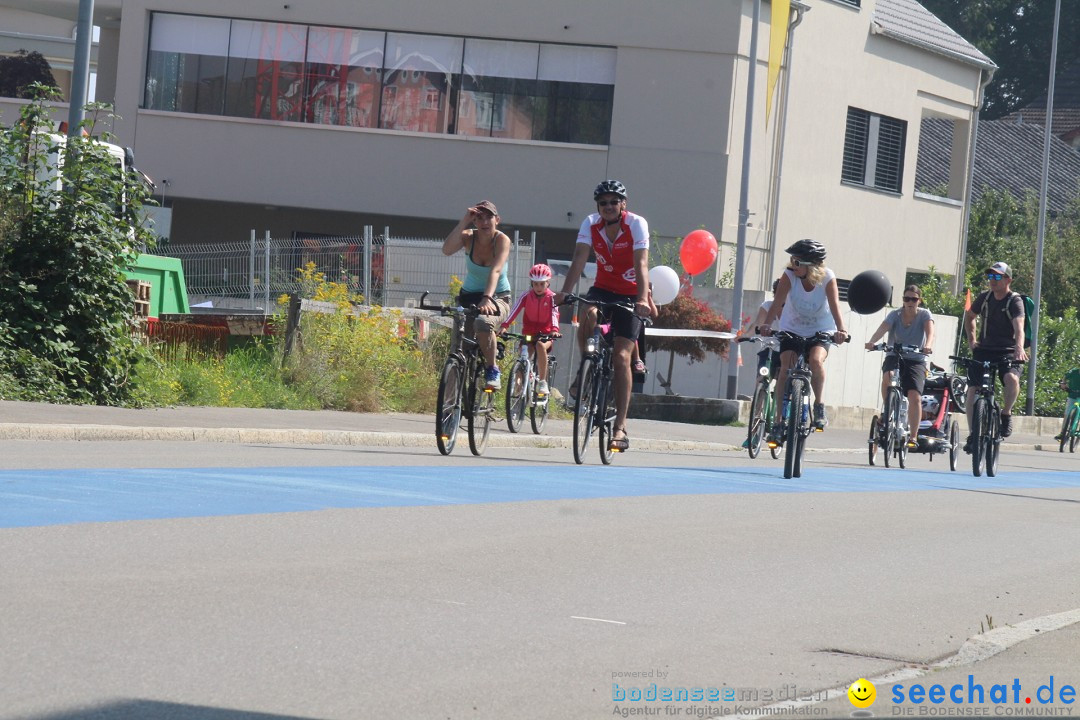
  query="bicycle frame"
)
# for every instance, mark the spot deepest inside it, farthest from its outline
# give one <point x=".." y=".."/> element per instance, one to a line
<point x="985" y="416"/>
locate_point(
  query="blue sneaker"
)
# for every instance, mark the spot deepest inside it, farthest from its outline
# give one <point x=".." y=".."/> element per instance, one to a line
<point x="493" y="378"/>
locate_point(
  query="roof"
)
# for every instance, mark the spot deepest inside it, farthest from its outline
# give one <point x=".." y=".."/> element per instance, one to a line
<point x="909" y="22"/>
<point x="1008" y="157"/>
<point x="1066" y="118"/>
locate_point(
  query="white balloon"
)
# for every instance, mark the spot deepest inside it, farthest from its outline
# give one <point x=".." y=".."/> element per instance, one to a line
<point x="665" y="284"/>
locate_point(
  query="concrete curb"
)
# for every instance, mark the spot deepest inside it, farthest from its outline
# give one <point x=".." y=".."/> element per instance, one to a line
<point x="292" y="436"/>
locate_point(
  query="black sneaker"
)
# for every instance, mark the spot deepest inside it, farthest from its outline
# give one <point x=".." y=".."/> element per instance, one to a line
<point x="969" y="446"/>
<point x="776" y="435"/>
<point x="820" y="421"/>
<point x="1006" y="425"/>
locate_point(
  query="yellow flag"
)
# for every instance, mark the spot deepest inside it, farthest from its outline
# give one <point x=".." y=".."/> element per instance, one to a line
<point x="781" y="11"/>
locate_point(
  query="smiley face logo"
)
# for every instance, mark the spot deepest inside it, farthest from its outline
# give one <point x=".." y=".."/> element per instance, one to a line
<point x="862" y="693"/>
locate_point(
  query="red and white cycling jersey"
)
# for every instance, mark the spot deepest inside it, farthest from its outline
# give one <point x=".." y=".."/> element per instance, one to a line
<point x="615" y="270"/>
<point x="541" y="313"/>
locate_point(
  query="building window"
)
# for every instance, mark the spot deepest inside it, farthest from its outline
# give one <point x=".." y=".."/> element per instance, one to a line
<point x="874" y="150"/>
<point x="343" y="76"/>
<point x="366" y="78"/>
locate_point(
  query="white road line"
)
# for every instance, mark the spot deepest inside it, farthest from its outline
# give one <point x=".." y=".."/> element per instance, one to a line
<point x="613" y="622"/>
<point x="976" y="649"/>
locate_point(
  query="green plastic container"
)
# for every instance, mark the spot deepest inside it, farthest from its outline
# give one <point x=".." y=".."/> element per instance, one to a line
<point x="168" y="293"/>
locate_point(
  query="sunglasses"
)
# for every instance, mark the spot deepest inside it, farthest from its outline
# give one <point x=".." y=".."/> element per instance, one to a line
<point x="608" y="203"/>
<point x="994" y="276"/>
<point x="800" y="263"/>
<point x="911" y="299"/>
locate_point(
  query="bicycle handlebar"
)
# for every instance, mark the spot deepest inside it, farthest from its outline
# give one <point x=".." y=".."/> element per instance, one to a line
<point x="972" y="362"/>
<point x="897" y="348"/>
<point x="444" y="309"/>
<point x="570" y="298"/>
<point x="544" y="337"/>
<point x="822" y="335"/>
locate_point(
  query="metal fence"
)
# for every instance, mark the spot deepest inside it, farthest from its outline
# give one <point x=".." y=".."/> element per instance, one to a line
<point x="385" y="270"/>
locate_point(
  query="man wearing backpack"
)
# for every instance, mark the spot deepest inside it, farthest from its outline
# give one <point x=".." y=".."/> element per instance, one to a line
<point x="1001" y="317"/>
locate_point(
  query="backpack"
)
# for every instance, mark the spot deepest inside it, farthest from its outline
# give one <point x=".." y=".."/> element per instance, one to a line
<point x="1029" y="309"/>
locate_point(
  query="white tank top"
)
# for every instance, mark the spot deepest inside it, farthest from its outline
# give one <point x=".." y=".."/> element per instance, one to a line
<point x="806" y="313"/>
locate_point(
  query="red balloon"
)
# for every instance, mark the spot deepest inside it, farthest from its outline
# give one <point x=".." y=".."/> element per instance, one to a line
<point x="698" y="251"/>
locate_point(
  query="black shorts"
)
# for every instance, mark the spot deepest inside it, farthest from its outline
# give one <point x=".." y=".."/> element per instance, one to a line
<point x="624" y="323"/>
<point x="1000" y="370"/>
<point x="789" y="345"/>
<point x="912" y="373"/>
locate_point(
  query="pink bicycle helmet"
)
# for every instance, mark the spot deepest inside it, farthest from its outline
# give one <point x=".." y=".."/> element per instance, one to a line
<point x="539" y="272"/>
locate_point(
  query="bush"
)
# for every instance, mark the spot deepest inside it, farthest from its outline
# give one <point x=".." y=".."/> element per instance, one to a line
<point x="62" y="293"/>
<point x="688" y="312"/>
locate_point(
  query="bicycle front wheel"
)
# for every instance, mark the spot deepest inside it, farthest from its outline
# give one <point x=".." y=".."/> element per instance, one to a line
<point x="891" y="419"/>
<point x="448" y="406"/>
<point x="584" y="406"/>
<point x="517" y="392"/>
<point x="993" y="444"/>
<point x="978" y="429"/>
<point x="793" y="450"/>
<point x="483" y="410"/>
<point x="538" y="411"/>
<point x="605" y="404"/>
<point x="755" y="432"/>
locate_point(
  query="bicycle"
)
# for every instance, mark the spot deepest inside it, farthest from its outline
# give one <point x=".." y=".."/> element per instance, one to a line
<point x="795" y="416"/>
<point x="463" y="390"/>
<point x="521" y="392"/>
<point x="762" y="407"/>
<point x="889" y="431"/>
<point x="1071" y="434"/>
<point x="985" y="416"/>
<point x="594" y="406"/>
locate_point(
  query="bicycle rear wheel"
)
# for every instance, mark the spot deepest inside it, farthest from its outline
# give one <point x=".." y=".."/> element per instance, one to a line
<point x="793" y="451"/>
<point x="448" y="407"/>
<point x="517" y="395"/>
<point x="978" y="428"/>
<point x="584" y="406"/>
<point x="755" y="432"/>
<point x="483" y="410"/>
<point x="1067" y="435"/>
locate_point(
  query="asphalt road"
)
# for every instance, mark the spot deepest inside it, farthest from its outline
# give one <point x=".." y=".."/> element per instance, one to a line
<point x="214" y="580"/>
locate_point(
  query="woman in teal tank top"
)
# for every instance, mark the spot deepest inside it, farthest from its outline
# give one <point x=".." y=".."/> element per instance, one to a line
<point x="486" y="284"/>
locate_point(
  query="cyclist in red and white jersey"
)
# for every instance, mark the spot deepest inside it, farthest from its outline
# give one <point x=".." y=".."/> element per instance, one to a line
<point x="541" y="318"/>
<point x="620" y="240"/>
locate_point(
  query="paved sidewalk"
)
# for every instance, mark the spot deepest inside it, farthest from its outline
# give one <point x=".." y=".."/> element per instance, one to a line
<point x="42" y="421"/>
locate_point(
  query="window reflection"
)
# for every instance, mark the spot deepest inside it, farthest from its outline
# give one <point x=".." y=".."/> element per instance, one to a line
<point x="364" y="78"/>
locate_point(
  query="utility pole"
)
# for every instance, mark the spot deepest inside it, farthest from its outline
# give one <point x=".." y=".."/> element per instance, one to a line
<point x="1033" y="361"/>
<point x="80" y="71"/>
<point x="744" y="201"/>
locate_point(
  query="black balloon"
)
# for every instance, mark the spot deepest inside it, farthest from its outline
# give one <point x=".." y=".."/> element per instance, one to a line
<point x="869" y="291"/>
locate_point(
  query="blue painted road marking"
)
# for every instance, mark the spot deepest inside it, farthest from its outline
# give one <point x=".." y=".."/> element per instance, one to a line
<point x="53" y="497"/>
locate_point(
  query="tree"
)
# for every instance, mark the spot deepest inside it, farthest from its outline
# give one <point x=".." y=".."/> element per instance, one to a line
<point x="687" y="312"/>
<point x="19" y="72"/>
<point x="1017" y="36"/>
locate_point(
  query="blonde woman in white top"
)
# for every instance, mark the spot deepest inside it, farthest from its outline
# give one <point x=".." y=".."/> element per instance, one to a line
<point x="807" y="302"/>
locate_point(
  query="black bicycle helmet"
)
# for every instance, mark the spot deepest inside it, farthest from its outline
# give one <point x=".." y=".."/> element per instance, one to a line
<point x="808" y="249"/>
<point x="609" y="187"/>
